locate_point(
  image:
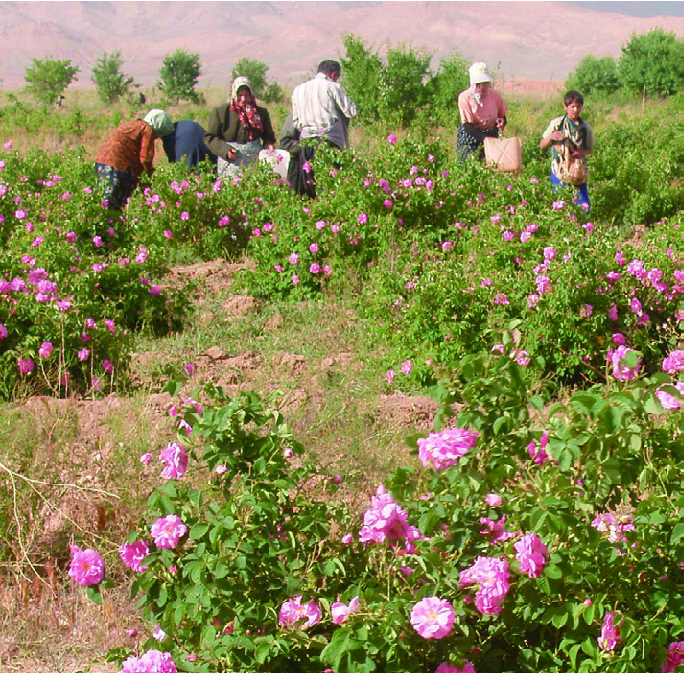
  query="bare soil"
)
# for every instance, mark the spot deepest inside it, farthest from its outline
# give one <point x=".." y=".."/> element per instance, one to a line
<point x="49" y="625"/>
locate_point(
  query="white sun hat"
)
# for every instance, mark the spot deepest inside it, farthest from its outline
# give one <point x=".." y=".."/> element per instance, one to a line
<point x="479" y="73"/>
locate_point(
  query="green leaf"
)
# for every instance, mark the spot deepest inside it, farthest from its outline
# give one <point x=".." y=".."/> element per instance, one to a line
<point x="677" y="533"/>
<point x="341" y="642"/>
<point x="198" y="531"/>
<point x="553" y="571"/>
<point x="93" y="593"/>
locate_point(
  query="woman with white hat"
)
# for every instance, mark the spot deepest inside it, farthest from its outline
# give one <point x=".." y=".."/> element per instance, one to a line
<point x="126" y="153"/>
<point x="482" y="111"/>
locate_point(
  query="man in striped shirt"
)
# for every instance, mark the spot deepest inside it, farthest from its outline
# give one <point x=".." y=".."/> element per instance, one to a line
<point x="321" y="108"/>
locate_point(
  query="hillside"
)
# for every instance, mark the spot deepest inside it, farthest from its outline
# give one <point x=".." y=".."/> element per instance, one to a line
<point x="522" y="40"/>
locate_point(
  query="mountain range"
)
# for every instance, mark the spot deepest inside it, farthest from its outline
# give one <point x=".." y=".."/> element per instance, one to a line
<point x="519" y="40"/>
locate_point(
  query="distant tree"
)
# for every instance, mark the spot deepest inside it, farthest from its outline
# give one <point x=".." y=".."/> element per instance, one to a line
<point x="255" y="72"/>
<point x="361" y="77"/>
<point x="48" y="78"/>
<point x="274" y="93"/>
<point x="652" y="64"/>
<point x="178" y="77"/>
<point x="403" y="83"/>
<point x="111" y="83"/>
<point x="450" y="80"/>
<point x="594" y="76"/>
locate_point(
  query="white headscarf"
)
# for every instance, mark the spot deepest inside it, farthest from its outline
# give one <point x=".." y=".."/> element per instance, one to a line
<point x="237" y="83"/>
<point x="160" y="121"/>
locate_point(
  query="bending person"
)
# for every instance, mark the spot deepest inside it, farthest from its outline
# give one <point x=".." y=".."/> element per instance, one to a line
<point x="126" y="153"/>
<point x="236" y="131"/>
<point x="483" y="113"/>
<point x="187" y="140"/>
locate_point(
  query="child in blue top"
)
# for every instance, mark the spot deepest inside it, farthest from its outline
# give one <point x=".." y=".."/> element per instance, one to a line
<point x="571" y="140"/>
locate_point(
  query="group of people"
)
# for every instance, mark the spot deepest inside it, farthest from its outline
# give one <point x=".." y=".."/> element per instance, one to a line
<point x="571" y="138"/>
<point x="239" y="130"/>
<point x="237" y="133"/>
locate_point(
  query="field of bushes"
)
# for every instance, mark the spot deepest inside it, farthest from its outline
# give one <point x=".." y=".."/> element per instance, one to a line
<point x="534" y="525"/>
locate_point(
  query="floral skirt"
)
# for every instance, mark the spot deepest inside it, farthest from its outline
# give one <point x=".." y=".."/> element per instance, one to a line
<point x="117" y="185"/>
<point x="469" y="140"/>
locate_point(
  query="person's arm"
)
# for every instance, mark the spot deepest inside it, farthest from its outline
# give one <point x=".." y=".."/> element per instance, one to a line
<point x="552" y="135"/>
<point x="147" y="149"/>
<point x="501" y="120"/>
<point x="344" y="103"/>
<point x="213" y="137"/>
<point x="464" y="110"/>
<point x="289" y="138"/>
<point x="268" y="137"/>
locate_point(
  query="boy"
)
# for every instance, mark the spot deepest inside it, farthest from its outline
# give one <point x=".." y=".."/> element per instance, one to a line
<point x="571" y="140"/>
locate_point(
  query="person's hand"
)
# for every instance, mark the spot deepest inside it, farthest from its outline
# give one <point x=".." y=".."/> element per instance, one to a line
<point x="232" y="153"/>
<point x="501" y="122"/>
<point x="557" y="135"/>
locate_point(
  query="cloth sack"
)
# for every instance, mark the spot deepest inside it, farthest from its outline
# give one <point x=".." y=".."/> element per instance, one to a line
<point x="279" y="160"/>
<point x="569" y="169"/>
<point x="503" y="154"/>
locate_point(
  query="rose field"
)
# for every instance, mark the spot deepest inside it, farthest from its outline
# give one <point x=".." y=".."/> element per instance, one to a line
<point x="247" y="496"/>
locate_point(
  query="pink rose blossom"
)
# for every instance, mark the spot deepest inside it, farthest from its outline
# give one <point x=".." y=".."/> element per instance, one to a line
<point x="674" y="362"/>
<point x="87" y="566"/>
<point x="493" y="500"/>
<point x="151" y="661"/>
<point x="538" y="453"/>
<point x="433" y="618"/>
<point x="441" y="450"/>
<point x="45" y="350"/>
<point x="668" y="400"/>
<point x="385" y="521"/>
<point x="132" y="555"/>
<point x="531" y="553"/>
<point x="167" y="531"/>
<point x="176" y="459"/>
<point x="675" y="657"/>
<point x="25" y="365"/>
<point x="621" y="371"/>
<point x="610" y="633"/>
<point x="292" y="613"/>
<point x="340" y="611"/>
<point x="495" y="530"/>
<point x="491" y="575"/>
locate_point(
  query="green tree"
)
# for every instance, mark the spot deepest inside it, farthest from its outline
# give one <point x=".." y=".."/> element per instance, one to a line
<point x="178" y="77"/>
<point x="449" y="81"/>
<point x="48" y="78"/>
<point x="111" y="83"/>
<point x="255" y="72"/>
<point x="403" y="83"/>
<point x="361" y="77"/>
<point x="594" y="76"/>
<point x="652" y="64"/>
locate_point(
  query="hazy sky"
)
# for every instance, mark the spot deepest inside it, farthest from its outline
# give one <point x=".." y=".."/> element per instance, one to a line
<point x="636" y="8"/>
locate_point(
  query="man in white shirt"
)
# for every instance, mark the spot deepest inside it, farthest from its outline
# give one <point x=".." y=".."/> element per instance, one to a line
<point x="320" y="107"/>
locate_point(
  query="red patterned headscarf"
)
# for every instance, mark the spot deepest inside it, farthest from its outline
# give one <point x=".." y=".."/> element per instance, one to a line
<point x="249" y="116"/>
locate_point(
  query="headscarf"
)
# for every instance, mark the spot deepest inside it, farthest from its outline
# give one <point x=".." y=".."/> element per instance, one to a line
<point x="478" y="75"/>
<point x="160" y="122"/>
<point x="249" y="115"/>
